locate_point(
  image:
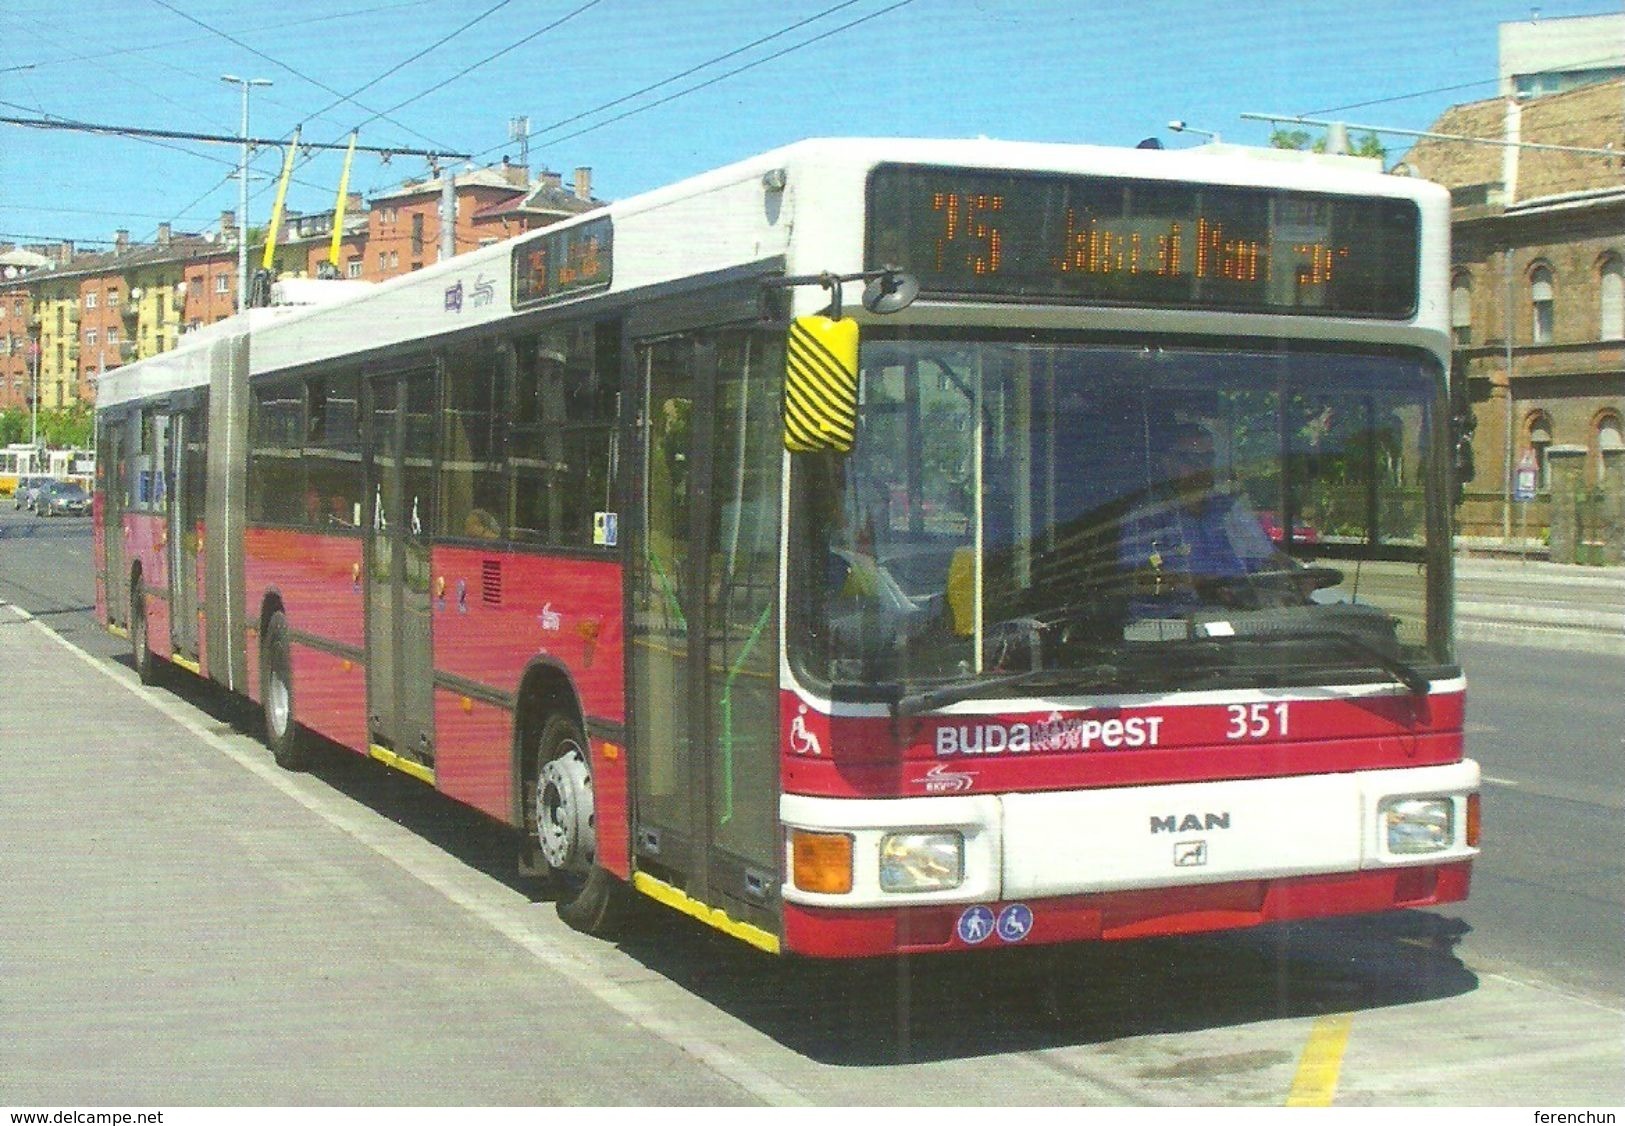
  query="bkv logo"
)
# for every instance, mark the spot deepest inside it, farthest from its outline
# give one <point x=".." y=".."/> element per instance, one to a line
<point x="940" y="780"/>
<point x="483" y="293"/>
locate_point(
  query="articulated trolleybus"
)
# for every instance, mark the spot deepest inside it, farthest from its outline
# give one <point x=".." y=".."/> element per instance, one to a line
<point x="870" y="547"/>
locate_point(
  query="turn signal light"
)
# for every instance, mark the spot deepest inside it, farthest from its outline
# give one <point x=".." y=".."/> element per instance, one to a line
<point x="822" y="861"/>
<point x="1473" y="815"/>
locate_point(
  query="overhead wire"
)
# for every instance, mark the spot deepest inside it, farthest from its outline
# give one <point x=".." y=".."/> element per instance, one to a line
<point x="728" y="74"/>
<point x="404" y="63"/>
<point x="680" y="75"/>
<point x="514" y="46"/>
<point x="350" y="13"/>
<point x="1614" y="57"/>
<point x="699" y="67"/>
<point x="318" y="83"/>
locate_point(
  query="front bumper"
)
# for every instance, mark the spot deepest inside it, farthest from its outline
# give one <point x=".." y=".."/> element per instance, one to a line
<point x="1106" y="863"/>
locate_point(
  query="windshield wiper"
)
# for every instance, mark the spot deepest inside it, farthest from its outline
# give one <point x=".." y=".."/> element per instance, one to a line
<point x="917" y="703"/>
<point x="1407" y="674"/>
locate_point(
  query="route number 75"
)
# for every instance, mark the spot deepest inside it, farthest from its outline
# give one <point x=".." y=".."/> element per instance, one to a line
<point x="1256" y="721"/>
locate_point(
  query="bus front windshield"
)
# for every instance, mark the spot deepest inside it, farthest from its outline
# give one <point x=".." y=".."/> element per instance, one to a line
<point x="1088" y="517"/>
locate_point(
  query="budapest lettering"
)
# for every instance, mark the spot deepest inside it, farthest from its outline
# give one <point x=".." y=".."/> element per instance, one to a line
<point x="1053" y="735"/>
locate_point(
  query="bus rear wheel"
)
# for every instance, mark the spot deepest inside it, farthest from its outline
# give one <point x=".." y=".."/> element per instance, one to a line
<point x="288" y="748"/>
<point x="140" y="653"/>
<point x="562" y="819"/>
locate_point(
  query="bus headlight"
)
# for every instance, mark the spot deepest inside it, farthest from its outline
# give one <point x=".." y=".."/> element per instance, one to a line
<point x="1416" y="825"/>
<point x="922" y="861"/>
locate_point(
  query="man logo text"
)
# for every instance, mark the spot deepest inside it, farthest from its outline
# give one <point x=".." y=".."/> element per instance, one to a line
<point x="1190" y="822"/>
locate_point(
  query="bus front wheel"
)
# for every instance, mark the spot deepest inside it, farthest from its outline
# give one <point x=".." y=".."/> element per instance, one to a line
<point x="562" y="819"/>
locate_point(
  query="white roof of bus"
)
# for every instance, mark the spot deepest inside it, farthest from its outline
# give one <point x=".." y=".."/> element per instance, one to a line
<point x="729" y="199"/>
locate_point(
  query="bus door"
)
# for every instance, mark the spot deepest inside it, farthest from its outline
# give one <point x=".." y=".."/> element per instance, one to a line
<point x="113" y="473"/>
<point x="703" y="636"/>
<point x="185" y="467"/>
<point x="400" y="660"/>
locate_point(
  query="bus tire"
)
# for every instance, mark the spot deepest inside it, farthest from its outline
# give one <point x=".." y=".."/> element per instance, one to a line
<point x="146" y="666"/>
<point x="288" y="748"/>
<point x="560" y="816"/>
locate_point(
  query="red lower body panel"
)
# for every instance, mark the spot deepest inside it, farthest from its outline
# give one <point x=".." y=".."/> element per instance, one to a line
<point x="825" y="933"/>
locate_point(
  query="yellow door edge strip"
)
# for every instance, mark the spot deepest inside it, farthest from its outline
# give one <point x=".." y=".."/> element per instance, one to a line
<point x="711" y="916"/>
<point x="404" y="765"/>
<point x="1316" y="1081"/>
<point x="190" y="666"/>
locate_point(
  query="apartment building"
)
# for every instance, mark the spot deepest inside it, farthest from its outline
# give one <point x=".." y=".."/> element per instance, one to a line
<point x="75" y="316"/>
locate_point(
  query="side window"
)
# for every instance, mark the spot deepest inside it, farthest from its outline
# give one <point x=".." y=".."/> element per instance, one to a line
<point x="561" y="443"/>
<point x="473" y="485"/>
<point x="332" y="452"/>
<point x="141" y="475"/>
<point x="148" y="476"/>
<point x="276" y="486"/>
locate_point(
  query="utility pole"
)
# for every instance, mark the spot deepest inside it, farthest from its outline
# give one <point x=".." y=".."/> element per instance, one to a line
<point x="448" y="214"/>
<point x="242" y="189"/>
<point x="34" y="348"/>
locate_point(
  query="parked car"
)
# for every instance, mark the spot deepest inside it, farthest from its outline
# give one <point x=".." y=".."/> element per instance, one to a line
<point x="1301" y="532"/>
<point x="61" y="498"/>
<point x="26" y="488"/>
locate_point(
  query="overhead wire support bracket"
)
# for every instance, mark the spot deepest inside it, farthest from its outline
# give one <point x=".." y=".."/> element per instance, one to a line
<point x="1499" y="142"/>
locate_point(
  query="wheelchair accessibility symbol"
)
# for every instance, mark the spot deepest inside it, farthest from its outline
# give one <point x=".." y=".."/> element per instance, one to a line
<point x="1015" y="922"/>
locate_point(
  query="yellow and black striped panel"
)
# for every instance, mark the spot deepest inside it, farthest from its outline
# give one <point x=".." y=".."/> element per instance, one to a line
<point x="821" y="385"/>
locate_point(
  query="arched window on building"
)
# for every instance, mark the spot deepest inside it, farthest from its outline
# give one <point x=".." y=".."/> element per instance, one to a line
<point x="1540" y="300"/>
<point x="1461" y="309"/>
<point x="1538" y="436"/>
<point x="1611" y="288"/>
<point x="1609" y="443"/>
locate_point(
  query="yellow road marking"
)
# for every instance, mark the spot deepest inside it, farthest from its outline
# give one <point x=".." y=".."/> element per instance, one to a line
<point x="1316" y="1081"/>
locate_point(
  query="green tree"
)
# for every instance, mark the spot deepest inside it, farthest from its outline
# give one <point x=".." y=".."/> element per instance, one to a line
<point x="67" y="427"/>
<point x="13" y="427"/>
<point x="1368" y="144"/>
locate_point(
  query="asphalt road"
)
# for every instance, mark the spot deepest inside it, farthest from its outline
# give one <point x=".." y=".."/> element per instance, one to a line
<point x="185" y="924"/>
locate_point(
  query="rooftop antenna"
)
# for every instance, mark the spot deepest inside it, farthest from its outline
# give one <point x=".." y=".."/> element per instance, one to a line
<point x="519" y="130"/>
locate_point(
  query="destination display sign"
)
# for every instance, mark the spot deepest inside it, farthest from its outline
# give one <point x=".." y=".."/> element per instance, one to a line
<point x="1156" y="243"/>
<point x="562" y="264"/>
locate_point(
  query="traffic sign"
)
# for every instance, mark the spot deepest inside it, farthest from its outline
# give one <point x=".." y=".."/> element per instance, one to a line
<point x="1523" y="480"/>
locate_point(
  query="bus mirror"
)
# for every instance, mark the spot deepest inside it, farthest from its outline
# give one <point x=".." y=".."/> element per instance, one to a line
<point x="821" y="385"/>
<point x="891" y="292"/>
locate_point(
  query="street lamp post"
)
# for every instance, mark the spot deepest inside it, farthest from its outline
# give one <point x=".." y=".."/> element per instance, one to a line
<point x="34" y="349"/>
<point x="242" y="189"/>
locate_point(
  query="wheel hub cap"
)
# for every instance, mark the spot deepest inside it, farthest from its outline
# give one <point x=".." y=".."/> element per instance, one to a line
<point x="564" y="813"/>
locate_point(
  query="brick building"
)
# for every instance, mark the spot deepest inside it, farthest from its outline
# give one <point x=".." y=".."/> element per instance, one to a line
<point x="18" y="332"/>
<point x="1538" y="283"/>
<point x="548" y="201"/>
<point x="403" y="232"/>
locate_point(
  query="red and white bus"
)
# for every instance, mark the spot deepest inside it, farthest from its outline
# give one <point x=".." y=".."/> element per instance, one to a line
<point x="888" y="661"/>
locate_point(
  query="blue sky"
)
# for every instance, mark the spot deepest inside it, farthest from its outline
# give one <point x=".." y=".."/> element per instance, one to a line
<point x="1107" y="72"/>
